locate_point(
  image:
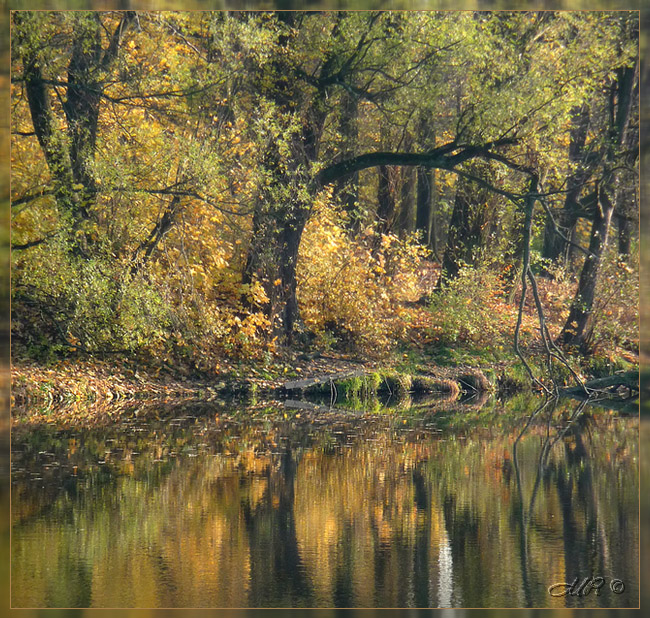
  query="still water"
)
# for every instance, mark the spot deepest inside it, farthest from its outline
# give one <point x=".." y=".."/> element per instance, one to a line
<point x="216" y="505"/>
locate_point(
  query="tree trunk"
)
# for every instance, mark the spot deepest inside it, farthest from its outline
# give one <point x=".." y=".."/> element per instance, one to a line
<point x="624" y="237"/>
<point x="576" y="329"/>
<point x="273" y="255"/>
<point x="622" y="137"/>
<point x="555" y="247"/>
<point x="82" y="103"/>
<point x="50" y="139"/>
<point x="423" y="206"/>
<point x="466" y="228"/>
<point x="284" y="204"/>
<point x="407" y="202"/>
<point x="70" y="160"/>
<point x="626" y="216"/>
<point x="459" y="234"/>
<point x="347" y="187"/>
<point x="425" y="214"/>
<point x="385" y="198"/>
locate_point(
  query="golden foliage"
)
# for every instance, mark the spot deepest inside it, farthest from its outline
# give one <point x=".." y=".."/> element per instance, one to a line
<point x="351" y="289"/>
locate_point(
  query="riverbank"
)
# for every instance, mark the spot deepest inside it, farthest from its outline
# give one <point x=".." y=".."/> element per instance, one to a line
<point x="86" y="383"/>
<point x="95" y="381"/>
<point x="78" y="381"/>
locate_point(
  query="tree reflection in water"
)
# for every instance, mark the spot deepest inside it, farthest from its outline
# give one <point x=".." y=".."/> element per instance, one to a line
<point x="291" y="509"/>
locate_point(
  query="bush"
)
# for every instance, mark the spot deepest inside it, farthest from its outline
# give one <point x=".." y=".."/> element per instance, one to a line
<point x="471" y="309"/>
<point x="350" y="290"/>
<point x="66" y="301"/>
<point x="614" y="321"/>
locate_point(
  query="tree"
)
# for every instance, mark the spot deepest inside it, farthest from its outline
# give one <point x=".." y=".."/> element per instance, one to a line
<point x="620" y="151"/>
<point x="94" y="50"/>
<point x="557" y="246"/>
<point x="107" y="166"/>
<point x="467" y="228"/>
<point x="300" y="102"/>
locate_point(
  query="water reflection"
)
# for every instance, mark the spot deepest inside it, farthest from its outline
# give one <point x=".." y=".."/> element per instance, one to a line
<point x="221" y="507"/>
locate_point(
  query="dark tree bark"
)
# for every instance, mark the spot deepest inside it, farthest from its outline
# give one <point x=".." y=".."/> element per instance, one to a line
<point x="426" y="198"/>
<point x="278" y="224"/>
<point x="627" y="220"/>
<point x="51" y="140"/>
<point x="575" y="329"/>
<point x="81" y="107"/>
<point x="459" y="239"/>
<point x="406" y="221"/>
<point x="347" y="188"/>
<point x="423" y="205"/>
<point x="466" y="227"/>
<point x="446" y="157"/>
<point x="625" y="229"/>
<point x="385" y="198"/>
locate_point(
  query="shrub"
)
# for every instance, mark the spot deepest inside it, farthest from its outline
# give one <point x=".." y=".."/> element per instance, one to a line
<point x="614" y="321"/>
<point x="63" y="302"/>
<point x="350" y="289"/>
<point x="471" y="309"/>
<point x="92" y="304"/>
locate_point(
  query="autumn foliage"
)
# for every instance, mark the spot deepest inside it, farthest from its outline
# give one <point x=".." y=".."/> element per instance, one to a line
<point x="190" y="187"/>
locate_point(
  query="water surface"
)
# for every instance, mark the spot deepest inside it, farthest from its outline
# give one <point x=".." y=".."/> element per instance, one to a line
<point x="220" y="506"/>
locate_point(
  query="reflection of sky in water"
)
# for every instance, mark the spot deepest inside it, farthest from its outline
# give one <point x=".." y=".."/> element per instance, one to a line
<point x="445" y="566"/>
<point x="223" y="510"/>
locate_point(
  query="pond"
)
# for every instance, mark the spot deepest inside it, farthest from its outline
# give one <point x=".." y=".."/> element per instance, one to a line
<point x="219" y="505"/>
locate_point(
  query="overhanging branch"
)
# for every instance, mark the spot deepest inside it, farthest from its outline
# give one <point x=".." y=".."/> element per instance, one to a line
<point x="445" y="157"/>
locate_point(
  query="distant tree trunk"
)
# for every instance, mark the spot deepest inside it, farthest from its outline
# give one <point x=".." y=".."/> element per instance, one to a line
<point x="626" y="216"/>
<point x="435" y="237"/>
<point x="423" y="207"/>
<point x="624" y="237"/>
<point x="555" y="247"/>
<point x="459" y="239"/>
<point x="407" y="202"/>
<point x="347" y="187"/>
<point x="575" y="331"/>
<point x="385" y="198"/>
<point x="466" y="228"/>
<point x="425" y="215"/>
